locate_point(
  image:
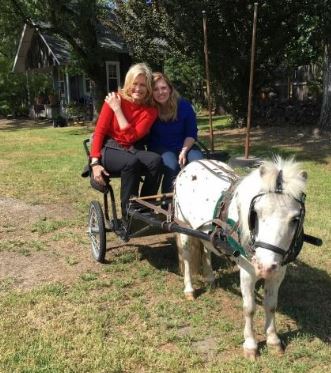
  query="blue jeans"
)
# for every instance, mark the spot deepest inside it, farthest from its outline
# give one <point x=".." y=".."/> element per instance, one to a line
<point x="171" y="167"/>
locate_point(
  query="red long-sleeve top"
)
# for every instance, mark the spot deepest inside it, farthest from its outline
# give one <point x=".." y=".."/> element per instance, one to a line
<point x="140" y="119"/>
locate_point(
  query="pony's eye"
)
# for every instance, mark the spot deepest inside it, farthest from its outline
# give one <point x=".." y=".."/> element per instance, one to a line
<point x="295" y="219"/>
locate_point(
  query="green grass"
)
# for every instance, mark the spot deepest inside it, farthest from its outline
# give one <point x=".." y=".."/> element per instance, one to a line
<point x="129" y="315"/>
<point x="219" y="122"/>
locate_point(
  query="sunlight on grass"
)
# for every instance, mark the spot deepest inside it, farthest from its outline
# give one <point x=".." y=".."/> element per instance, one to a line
<point x="129" y="315"/>
<point x="219" y="122"/>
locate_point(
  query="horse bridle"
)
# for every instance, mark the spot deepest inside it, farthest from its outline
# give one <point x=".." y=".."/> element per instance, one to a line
<point x="297" y="240"/>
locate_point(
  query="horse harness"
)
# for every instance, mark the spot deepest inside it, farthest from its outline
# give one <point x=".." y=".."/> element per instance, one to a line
<point x="297" y="241"/>
<point x="228" y="230"/>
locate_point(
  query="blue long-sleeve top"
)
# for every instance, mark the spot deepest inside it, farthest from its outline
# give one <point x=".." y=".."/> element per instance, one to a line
<point x="171" y="134"/>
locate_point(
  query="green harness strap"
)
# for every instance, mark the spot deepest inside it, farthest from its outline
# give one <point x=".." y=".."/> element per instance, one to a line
<point x="233" y="243"/>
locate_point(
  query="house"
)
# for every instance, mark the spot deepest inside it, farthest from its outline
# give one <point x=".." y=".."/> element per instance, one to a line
<point x="43" y="53"/>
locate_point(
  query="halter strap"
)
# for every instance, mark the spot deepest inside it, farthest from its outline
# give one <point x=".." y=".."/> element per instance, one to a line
<point x="270" y="247"/>
<point x="297" y="241"/>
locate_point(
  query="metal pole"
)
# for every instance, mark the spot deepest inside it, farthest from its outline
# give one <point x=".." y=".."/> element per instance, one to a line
<point x="251" y="76"/>
<point x="211" y="132"/>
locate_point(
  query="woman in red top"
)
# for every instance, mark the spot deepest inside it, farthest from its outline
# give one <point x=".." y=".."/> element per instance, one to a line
<point x="125" y="118"/>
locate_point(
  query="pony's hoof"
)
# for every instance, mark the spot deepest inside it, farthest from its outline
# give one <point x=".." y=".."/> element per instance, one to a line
<point x="276" y="349"/>
<point x="250" y="354"/>
<point x="189" y="296"/>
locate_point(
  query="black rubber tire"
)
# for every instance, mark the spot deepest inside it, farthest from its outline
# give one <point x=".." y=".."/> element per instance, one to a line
<point x="97" y="231"/>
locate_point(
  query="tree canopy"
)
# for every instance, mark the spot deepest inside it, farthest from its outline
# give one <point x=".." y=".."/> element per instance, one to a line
<point x="79" y="22"/>
<point x="169" y="33"/>
<point x="290" y="33"/>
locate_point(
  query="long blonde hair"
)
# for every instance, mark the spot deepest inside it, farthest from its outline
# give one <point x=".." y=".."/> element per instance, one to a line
<point x="131" y="75"/>
<point x="168" y="111"/>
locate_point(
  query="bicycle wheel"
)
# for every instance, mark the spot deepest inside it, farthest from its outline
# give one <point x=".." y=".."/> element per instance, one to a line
<point x="97" y="231"/>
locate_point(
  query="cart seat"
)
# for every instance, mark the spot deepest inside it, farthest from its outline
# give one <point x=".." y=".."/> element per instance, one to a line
<point x="87" y="172"/>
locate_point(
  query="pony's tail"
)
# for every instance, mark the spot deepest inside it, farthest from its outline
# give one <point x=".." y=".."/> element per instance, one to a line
<point x="192" y="249"/>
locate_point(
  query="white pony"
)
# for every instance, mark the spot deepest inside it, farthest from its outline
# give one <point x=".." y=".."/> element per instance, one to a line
<point x="260" y="218"/>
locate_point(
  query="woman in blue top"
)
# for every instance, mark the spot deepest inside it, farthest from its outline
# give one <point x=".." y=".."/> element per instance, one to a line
<point x="174" y="132"/>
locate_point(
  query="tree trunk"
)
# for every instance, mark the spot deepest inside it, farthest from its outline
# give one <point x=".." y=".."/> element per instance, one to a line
<point x="325" y="117"/>
<point x="99" y="90"/>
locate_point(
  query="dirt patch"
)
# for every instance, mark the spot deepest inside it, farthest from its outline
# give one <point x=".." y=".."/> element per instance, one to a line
<point x="17" y="212"/>
<point x="27" y="258"/>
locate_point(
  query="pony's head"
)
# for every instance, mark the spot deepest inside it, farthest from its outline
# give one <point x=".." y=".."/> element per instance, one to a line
<point x="271" y="210"/>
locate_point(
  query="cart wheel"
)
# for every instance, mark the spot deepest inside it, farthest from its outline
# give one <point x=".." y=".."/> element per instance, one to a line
<point x="97" y="231"/>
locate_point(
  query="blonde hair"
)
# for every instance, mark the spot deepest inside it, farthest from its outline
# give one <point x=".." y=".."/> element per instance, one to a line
<point x="168" y="111"/>
<point x="131" y="75"/>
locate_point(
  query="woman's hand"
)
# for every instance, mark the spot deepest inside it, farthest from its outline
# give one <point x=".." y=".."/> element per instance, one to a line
<point x="113" y="99"/>
<point x="182" y="158"/>
<point x="98" y="172"/>
<point x="188" y="143"/>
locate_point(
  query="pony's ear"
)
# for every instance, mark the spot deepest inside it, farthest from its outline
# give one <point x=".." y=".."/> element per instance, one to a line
<point x="304" y="175"/>
<point x="263" y="170"/>
<point x="266" y="168"/>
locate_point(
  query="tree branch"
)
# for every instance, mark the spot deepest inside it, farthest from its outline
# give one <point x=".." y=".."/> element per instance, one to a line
<point x="19" y="10"/>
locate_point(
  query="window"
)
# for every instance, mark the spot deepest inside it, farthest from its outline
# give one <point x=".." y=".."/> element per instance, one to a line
<point x="113" y="75"/>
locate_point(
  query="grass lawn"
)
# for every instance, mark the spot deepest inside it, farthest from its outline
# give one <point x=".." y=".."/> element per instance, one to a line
<point x="63" y="312"/>
<point x="219" y="122"/>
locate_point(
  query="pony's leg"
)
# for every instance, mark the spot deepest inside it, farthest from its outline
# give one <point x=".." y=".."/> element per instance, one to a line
<point x="207" y="267"/>
<point x="247" y="285"/>
<point x="184" y="256"/>
<point x="271" y="288"/>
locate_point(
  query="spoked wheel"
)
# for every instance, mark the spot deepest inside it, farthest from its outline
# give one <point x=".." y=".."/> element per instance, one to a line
<point x="97" y="231"/>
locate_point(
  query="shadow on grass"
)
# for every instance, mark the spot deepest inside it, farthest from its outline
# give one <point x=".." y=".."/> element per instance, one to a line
<point x="18" y="124"/>
<point x="304" y="296"/>
<point x="162" y="257"/>
<point x="265" y="142"/>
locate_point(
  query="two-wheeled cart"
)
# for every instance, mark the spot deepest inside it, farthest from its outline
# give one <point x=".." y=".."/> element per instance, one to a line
<point x="151" y="215"/>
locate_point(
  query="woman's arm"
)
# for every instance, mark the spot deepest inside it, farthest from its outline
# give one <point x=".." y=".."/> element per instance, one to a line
<point x="113" y="99"/>
<point x="188" y="143"/>
<point x="102" y="130"/>
<point x="191" y="131"/>
<point x="139" y="126"/>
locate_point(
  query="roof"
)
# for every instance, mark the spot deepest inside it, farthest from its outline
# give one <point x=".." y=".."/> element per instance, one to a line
<point x="58" y="50"/>
<point x="110" y="40"/>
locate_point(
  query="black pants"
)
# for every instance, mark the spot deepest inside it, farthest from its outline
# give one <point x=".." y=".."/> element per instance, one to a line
<point x="131" y="165"/>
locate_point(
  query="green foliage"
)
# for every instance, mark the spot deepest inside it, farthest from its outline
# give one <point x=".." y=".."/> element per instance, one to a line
<point x="14" y="87"/>
<point x="289" y="33"/>
<point x="79" y="22"/>
<point x="187" y="76"/>
<point x="12" y="96"/>
<point x="170" y="34"/>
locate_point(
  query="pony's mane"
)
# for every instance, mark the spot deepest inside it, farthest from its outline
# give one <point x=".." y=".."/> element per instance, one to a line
<point x="293" y="178"/>
<point x="264" y="180"/>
